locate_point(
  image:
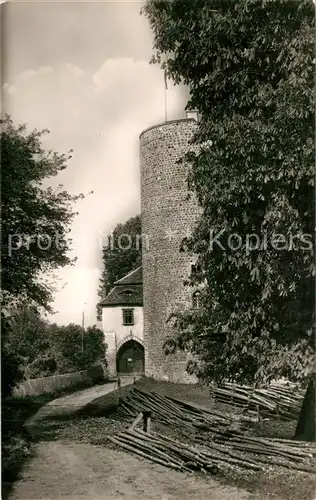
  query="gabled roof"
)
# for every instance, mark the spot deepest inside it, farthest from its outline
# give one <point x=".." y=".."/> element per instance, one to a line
<point x="127" y="295"/>
<point x="127" y="291"/>
<point x="133" y="278"/>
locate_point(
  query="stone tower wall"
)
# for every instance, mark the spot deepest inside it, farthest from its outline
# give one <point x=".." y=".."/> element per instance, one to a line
<point x="167" y="217"/>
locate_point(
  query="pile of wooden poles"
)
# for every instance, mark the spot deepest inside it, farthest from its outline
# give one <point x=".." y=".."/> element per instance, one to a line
<point x="274" y="401"/>
<point x="164" y="450"/>
<point x="220" y="444"/>
<point x="262" y="451"/>
<point x="169" y="411"/>
<point x="213" y="456"/>
<point x="171" y="453"/>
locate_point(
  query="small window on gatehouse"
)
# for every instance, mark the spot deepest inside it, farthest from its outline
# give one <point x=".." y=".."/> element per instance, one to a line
<point x="128" y="316"/>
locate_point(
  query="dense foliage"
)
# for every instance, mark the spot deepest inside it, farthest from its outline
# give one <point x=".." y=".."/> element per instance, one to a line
<point x="28" y="339"/>
<point x="250" y="69"/>
<point x="121" y="253"/>
<point x="35" y="219"/>
<point x="35" y="222"/>
<point x="74" y="350"/>
<point x="44" y="349"/>
<point x="11" y="363"/>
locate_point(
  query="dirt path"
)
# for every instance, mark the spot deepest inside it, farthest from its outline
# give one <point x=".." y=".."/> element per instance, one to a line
<point x="70" y="403"/>
<point x="68" y="471"/>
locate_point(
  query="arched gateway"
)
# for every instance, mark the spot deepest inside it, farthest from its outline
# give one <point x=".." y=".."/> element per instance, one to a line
<point x="130" y="358"/>
<point x="122" y="324"/>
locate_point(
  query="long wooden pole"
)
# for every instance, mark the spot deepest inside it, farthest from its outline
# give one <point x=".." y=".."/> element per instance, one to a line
<point x="82" y="332"/>
<point x="166" y="88"/>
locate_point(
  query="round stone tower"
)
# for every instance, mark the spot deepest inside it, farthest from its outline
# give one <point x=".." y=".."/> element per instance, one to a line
<point x="167" y="217"/>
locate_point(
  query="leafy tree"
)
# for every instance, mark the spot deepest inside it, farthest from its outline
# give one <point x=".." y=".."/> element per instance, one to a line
<point x="29" y="340"/>
<point x="43" y="349"/>
<point x="67" y="342"/>
<point x="250" y="69"/>
<point x="35" y="219"/>
<point x="34" y="227"/>
<point x="121" y="253"/>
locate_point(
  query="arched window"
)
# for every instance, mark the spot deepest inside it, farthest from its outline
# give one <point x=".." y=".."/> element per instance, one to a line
<point x="196" y="300"/>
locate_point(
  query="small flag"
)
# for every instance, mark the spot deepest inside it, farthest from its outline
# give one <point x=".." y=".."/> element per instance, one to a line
<point x="166" y="84"/>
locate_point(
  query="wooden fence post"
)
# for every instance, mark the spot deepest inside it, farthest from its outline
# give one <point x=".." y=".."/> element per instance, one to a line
<point x="258" y="414"/>
<point x="137" y="420"/>
<point x="119" y="388"/>
<point x="147" y="421"/>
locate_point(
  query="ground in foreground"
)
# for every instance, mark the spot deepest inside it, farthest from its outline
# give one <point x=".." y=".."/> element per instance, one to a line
<point x="78" y="470"/>
<point x="77" y="452"/>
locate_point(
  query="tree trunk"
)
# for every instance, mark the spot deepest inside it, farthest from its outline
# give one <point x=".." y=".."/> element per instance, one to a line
<point x="305" y="429"/>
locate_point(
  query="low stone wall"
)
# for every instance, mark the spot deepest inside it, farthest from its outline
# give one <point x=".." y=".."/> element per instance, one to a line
<point x="37" y="386"/>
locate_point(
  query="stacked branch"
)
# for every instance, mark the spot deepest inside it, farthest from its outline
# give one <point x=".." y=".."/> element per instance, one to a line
<point x="220" y="444"/>
<point x="276" y="400"/>
<point x="252" y="454"/>
<point x="262" y="450"/>
<point x="166" y="451"/>
<point x="170" y="411"/>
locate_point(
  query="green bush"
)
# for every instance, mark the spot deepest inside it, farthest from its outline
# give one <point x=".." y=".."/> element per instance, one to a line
<point x="74" y="350"/>
<point x="96" y="373"/>
<point x="11" y="361"/>
<point x="33" y="348"/>
<point x="44" y="366"/>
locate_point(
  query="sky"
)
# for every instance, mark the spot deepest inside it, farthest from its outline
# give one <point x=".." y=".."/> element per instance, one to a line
<point x="82" y="71"/>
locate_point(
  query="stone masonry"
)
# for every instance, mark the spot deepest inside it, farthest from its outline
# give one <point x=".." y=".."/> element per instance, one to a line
<point x="167" y="217"/>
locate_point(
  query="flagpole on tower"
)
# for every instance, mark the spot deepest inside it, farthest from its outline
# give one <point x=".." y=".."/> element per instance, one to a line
<point x="166" y="88"/>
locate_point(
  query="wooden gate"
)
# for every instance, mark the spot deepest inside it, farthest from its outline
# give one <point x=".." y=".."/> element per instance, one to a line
<point x="130" y="358"/>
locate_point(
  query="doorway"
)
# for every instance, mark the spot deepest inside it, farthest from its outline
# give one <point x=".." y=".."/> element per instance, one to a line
<point x="130" y="358"/>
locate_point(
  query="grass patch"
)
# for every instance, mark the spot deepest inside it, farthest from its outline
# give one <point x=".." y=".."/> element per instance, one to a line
<point x="106" y="405"/>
